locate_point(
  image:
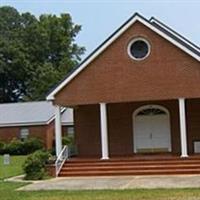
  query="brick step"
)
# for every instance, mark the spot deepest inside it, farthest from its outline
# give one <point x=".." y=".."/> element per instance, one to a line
<point x="130" y="167"/>
<point x="132" y="159"/>
<point x="120" y="163"/>
<point x="130" y="172"/>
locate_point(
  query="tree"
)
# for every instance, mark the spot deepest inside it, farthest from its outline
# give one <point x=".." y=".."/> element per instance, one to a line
<point x="35" y="53"/>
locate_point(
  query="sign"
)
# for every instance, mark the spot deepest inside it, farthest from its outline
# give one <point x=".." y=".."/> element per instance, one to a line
<point x="6" y="159"/>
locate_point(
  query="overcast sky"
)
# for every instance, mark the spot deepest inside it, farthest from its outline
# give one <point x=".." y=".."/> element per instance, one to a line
<point x="99" y="18"/>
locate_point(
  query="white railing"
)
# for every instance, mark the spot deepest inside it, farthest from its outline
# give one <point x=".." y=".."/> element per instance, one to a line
<point x="63" y="156"/>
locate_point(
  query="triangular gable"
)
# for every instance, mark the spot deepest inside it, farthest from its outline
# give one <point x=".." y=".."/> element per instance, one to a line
<point x="168" y="34"/>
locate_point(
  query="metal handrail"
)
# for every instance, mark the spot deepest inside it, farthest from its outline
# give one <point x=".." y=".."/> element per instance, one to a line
<point x="63" y="156"/>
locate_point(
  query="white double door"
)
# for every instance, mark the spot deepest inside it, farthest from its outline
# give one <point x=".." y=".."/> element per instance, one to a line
<point x="152" y="133"/>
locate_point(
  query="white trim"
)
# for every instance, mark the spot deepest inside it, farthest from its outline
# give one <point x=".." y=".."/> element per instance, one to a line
<point x="112" y="39"/>
<point x="174" y="33"/>
<point x="34" y="124"/>
<point x="53" y="117"/>
<point x="104" y="132"/>
<point x="67" y="124"/>
<point x="146" y="107"/>
<point x="58" y="130"/>
<point x="138" y="39"/>
<point x="23" y="124"/>
<point x="183" y="130"/>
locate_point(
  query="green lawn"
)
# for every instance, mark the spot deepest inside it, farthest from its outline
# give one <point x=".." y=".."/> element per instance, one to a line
<point x="15" y="167"/>
<point x="7" y="192"/>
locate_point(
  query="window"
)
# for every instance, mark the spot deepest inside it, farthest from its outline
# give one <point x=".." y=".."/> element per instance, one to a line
<point x="24" y="132"/>
<point x="139" y="49"/>
<point x="151" y="111"/>
<point x="70" y="131"/>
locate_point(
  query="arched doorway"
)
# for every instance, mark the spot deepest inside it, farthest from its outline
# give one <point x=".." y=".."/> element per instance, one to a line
<point x="151" y="132"/>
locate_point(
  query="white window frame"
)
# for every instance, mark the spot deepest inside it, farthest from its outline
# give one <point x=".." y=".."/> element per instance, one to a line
<point x="71" y="134"/>
<point x="24" y="133"/>
<point x="135" y="40"/>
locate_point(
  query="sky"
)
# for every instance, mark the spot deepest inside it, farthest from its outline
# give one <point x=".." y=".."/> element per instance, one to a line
<point x="100" y="18"/>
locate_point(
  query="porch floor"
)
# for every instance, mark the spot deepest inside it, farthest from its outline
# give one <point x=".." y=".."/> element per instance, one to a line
<point x="132" y="165"/>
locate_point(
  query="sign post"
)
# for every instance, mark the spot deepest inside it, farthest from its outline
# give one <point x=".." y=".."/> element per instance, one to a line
<point x="6" y="159"/>
<point x="6" y="162"/>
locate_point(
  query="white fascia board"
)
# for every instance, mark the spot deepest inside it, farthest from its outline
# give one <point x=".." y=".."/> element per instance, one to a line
<point x="53" y="117"/>
<point x="99" y="51"/>
<point x="67" y="124"/>
<point x="177" y="35"/>
<point x="76" y="72"/>
<point x="23" y="124"/>
<point x="170" y="39"/>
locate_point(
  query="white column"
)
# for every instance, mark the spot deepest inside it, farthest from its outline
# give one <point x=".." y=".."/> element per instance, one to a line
<point x="183" y="131"/>
<point x="104" y="132"/>
<point x="58" y="130"/>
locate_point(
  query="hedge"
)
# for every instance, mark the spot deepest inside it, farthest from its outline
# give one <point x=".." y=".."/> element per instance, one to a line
<point x="18" y="147"/>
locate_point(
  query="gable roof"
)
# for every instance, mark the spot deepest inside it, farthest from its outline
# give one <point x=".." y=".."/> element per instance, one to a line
<point x="176" y="36"/>
<point x="153" y="24"/>
<point x="31" y="113"/>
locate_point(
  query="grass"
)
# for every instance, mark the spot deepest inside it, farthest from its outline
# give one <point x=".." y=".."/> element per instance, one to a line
<point x="8" y="192"/>
<point x="14" y="169"/>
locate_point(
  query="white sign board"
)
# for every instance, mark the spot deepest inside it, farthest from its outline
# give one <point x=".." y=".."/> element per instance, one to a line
<point x="6" y="159"/>
<point x="197" y="147"/>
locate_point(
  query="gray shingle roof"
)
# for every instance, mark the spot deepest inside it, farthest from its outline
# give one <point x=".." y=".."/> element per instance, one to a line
<point x="30" y="113"/>
<point x="67" y="117"/>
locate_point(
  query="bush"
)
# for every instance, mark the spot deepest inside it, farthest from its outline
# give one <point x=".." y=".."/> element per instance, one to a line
<point x="2" y="147"/>
<point x="18" y="147"/>
<point x="34" y="166"/>
<point x="67" y="140"/>
<point x="15" y="147"/>
<point x="31" y="145"/>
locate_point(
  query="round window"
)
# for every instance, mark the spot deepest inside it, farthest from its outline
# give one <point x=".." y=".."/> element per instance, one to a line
<point x="139" y="49"/>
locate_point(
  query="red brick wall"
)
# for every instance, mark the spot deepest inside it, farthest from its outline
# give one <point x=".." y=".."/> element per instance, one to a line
<point x="50" y="130"/>
<point x="87" y="130"/>
<point x="193" y="125"/>
<point x="41" y="132"/>
<point x="120" y="121"/>
<point x="168" y="73"/>
<point x="7" y="133"/>
<point x="120" y="127"/>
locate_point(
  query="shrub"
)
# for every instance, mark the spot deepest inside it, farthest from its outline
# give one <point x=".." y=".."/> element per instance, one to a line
<point x="34" y="166"/>
<point x="18" y="147"/>
<point x="67" y="140"/>
<point x="15" y="147"/>
<point x="2" y="147"/>
<point x="31" y="145"/>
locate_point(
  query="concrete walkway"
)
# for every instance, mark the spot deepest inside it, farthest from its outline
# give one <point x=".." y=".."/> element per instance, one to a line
<point x="119" y="182"/>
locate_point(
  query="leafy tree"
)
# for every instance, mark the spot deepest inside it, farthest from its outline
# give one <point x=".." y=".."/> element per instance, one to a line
<point x="35" y="53"/>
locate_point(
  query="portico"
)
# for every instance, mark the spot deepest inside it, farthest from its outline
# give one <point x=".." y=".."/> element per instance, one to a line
<point x="137" y="93"/>
<point x="104" y="119"/>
